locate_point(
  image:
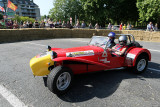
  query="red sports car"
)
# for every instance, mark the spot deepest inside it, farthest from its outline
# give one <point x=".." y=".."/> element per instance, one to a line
<point x="60" y="65"/>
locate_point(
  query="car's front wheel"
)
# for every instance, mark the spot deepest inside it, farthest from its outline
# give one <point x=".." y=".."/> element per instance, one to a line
<point x="60" y="80"/>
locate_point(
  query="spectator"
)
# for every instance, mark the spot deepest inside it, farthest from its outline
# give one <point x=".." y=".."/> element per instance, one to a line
<point x="25" y="25"/>
<point x="9" y="25"/>
<point x="109" y="26"/>
<point x="96" y="26"/>
<point x="21" y="24"/>
<point x="0" y="26"/>
<point x="63" y="24"/>
<point x="124" y="27"/>
<point x="56" y="25"/>
<point x="129" y="27"/>
<point x="30" y="25"/>
<point x="36" y="24"/>
<point x="83" y="25"/>
<point x="47" y="25"/>
<point x="68" y="25"/>
<point x="51" y="25"/>
<point x="77" y="25"/>
<point x="42" y="24"/>
<point x="156" y="27"/>
<point x="15" y="25"/>
<point x="3" y="24"/>
<point x="90" y="26"/>
<point x="120" y="27"/>
<point x="150" y="27"/>
<point x="60" y="24"/>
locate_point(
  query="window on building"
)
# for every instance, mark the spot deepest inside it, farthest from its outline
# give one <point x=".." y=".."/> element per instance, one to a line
<point x="1" y="4"/>
<point x="14" y="1"/>
<point x="26" y="2"/>
<point x="20" y="2"/>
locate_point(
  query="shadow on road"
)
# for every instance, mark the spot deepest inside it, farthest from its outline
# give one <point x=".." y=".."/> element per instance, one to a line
<point x="101" y="84"/>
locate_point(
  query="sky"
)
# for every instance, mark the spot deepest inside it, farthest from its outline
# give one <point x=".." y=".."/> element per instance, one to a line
<point x="44" y="5"/>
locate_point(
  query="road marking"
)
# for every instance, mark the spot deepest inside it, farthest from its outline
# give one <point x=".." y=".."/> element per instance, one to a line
<point x="11" y="98"/>
<point x="154" y="50"/>
<point x="154" y="69"/>
<point x="35" y="44"/>
<point x="80" y="40"/>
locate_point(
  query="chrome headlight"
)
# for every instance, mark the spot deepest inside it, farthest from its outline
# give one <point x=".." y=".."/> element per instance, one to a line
<point x="53" y="55"/>
<point x="49" y="48"/>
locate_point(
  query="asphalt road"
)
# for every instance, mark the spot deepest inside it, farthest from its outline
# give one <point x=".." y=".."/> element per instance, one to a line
<point x="116" y="88"/>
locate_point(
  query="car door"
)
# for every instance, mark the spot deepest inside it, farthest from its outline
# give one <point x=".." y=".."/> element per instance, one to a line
<point x="111" y="61"/>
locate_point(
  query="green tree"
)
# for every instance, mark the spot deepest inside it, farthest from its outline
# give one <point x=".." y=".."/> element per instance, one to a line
<point x="64" y="9"/>
<point x="95" y="11"/>
<point x="17" y="18"/>
<point x="22" y="18"/>
<point x="44" y="17"/>
<point x="149" y="10"/>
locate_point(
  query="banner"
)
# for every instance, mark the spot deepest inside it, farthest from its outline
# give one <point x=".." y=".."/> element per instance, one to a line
<point x="2" y="9"/>
<point x="11" y="5"/>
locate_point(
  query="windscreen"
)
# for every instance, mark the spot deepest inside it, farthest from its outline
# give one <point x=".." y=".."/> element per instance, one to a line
<point x="99" y="41"/>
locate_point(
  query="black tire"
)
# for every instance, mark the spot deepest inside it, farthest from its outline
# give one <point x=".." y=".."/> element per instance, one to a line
<point x="56" y="77"/>
<point x="141" y="64"/>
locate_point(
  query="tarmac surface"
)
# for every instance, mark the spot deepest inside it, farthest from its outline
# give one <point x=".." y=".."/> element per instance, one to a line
<point x="116" y="88"/>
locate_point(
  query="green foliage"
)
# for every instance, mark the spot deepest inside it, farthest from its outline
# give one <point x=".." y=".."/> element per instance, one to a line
<point x="148" y="10"/>
<point x="64" y="9"/>
<point x="105" y="11"/>
<point x="44" y="17"/>
<point x="21" y="18"/>
<point x="17" y="18"/>
<point x="1" y="16"/>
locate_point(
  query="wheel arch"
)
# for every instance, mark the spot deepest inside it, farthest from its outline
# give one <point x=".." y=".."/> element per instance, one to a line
<point x="134" y="53"/>
<point x="144" y="52"/>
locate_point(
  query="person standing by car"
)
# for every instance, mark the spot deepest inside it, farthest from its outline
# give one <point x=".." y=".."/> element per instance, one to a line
<point x="119" y="49"/>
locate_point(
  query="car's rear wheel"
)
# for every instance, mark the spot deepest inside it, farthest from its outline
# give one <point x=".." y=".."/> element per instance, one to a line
<point x="141" y="64"/>
<point x="60" y="80"/>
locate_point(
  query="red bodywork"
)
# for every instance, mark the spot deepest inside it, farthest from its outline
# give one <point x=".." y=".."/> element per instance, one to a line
<point x="93" y="58"/>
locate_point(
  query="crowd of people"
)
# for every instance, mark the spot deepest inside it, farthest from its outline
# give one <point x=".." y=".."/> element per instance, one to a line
<point x="58" y="24"/>
<point x="151" y="27"/>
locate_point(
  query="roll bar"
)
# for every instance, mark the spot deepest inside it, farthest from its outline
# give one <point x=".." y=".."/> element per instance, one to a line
<point x="129" y="36"/>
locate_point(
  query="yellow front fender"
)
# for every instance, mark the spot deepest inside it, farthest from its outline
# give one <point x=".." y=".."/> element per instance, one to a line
<point x="40" y="65"/>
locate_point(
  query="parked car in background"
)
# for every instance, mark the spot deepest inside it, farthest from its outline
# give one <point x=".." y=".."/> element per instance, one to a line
<point x="115" y="27"/>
